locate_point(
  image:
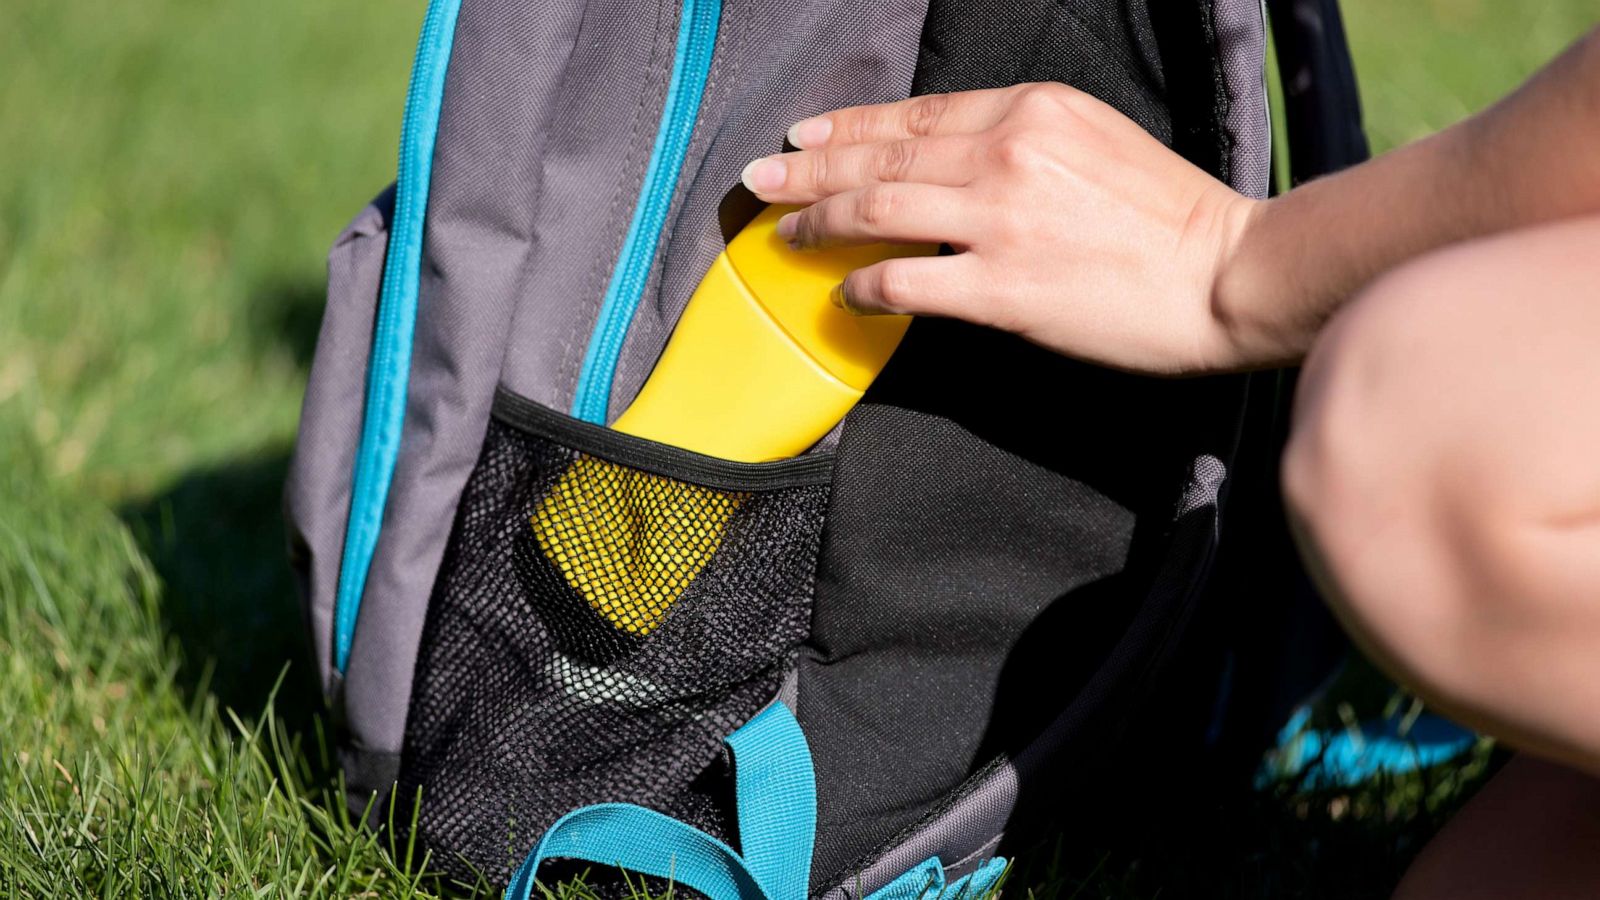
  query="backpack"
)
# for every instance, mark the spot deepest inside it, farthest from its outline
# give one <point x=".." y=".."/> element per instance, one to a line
<point x="862" y="671"/>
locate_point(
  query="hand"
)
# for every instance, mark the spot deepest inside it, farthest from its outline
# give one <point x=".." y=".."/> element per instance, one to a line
<point x="1071" y="226"/>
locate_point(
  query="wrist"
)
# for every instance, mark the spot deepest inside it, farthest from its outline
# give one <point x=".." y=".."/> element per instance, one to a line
<point x="1238" y="290"/>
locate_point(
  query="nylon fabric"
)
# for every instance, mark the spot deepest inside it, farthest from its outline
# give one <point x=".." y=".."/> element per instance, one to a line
<point x="389" y="368"/>
<point x="1032" y="498"/>
<point x="691" y="63"/>
<point x="317" y="490"/>
<point x="777" y="62"/>
<point x="544" y="138"/>
<point x="1009" y="543"/>
<point x="1241" y="36"/>
<point x="506" y="62"/>
<point x="1008" y="567"/>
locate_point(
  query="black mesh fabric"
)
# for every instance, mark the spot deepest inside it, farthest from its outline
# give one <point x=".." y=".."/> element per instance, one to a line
<point x="597" y="630"/>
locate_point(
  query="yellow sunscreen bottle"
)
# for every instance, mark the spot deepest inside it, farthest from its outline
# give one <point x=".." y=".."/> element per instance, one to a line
<point x="761" y="364"/>
<point x="760" y="367"/>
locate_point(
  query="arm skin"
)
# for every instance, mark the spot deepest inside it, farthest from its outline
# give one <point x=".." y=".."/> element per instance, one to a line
<point x="1076" y="229"/>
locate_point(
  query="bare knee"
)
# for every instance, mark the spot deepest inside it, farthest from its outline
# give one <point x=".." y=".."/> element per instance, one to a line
<point x="1362" y="470"/>
<point x="1442" y="426"/>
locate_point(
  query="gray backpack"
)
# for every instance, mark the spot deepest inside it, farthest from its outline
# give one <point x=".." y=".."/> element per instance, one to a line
<point x="897" y="650"/>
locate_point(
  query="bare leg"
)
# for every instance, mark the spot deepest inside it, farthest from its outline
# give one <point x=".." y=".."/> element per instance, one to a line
<point x="1533" y="832"/>
<point x="1445" y="479"/>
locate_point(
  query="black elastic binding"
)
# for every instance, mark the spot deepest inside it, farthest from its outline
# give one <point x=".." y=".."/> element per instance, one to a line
<point x="660" y="459"/>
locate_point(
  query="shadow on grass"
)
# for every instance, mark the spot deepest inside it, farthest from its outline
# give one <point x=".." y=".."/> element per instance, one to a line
<point x="286" y="314"/>
<point x="217" y="541"/>
<point x="1162" y="837"/>
<point x="1160" y="823"/>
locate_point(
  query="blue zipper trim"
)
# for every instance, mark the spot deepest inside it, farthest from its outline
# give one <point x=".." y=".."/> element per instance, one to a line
<point x="389" y="370"/>
<point x="697" y="38"/>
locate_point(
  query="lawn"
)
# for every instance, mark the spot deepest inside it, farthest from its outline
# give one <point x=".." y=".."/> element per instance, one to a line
<point x="170" y="175"/>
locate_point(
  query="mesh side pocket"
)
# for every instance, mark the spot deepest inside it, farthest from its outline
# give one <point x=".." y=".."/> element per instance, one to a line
<point x="630" y="542"/>
<point x="597" y="629"/>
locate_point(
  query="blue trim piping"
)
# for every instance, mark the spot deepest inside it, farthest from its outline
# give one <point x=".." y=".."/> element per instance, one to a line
<point x="691" y="66"/>
<point x="390" y="366"/>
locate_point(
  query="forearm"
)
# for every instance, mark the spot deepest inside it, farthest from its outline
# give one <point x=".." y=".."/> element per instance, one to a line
<point x="1534" y="157"/>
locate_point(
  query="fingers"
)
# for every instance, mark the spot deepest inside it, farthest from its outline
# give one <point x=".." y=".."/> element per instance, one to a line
<point x="933" y="139"/>
<point x="948" y="286"/>
<point x="926" y="116"/>
<point x="895" y="213"/>
<point x="810" y="175"/>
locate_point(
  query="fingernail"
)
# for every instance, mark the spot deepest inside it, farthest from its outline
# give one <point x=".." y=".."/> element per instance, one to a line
<point x="788" y="224"/>
<point x="837" y="298"/>
<point x="764" y="175"/>
<point x="808" y="133"/>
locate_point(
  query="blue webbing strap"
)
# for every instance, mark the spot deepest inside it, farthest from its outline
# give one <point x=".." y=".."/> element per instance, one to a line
<point x="642" y="841"/>
<point x="775" y="789"/>
<point x="776" y="796"/>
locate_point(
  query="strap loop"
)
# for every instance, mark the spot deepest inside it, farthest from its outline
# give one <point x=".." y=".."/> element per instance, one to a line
<point x="643" y="841"/>
<point x="926" y="882"/>
<point x="776" y="794"/>
<point x="775" y="789"/>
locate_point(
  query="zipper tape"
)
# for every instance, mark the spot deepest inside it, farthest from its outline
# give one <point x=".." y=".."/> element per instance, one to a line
<point x="691" y="66"/>
<point x="390" y="367"/>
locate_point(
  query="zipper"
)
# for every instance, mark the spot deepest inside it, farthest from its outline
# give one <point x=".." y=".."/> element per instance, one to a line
<point x="389" y="369"/>
<point x="691" y="66"/>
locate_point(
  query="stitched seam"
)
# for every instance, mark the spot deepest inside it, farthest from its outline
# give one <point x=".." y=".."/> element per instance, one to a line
<point x="599" y="277"/>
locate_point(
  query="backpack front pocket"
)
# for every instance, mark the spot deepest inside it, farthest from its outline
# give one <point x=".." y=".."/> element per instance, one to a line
<point x="609" y="610"/>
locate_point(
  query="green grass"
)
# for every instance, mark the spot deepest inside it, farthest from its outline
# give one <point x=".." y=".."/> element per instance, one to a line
<point x="1425" y="64"/>
<point x="170" y="175"/>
